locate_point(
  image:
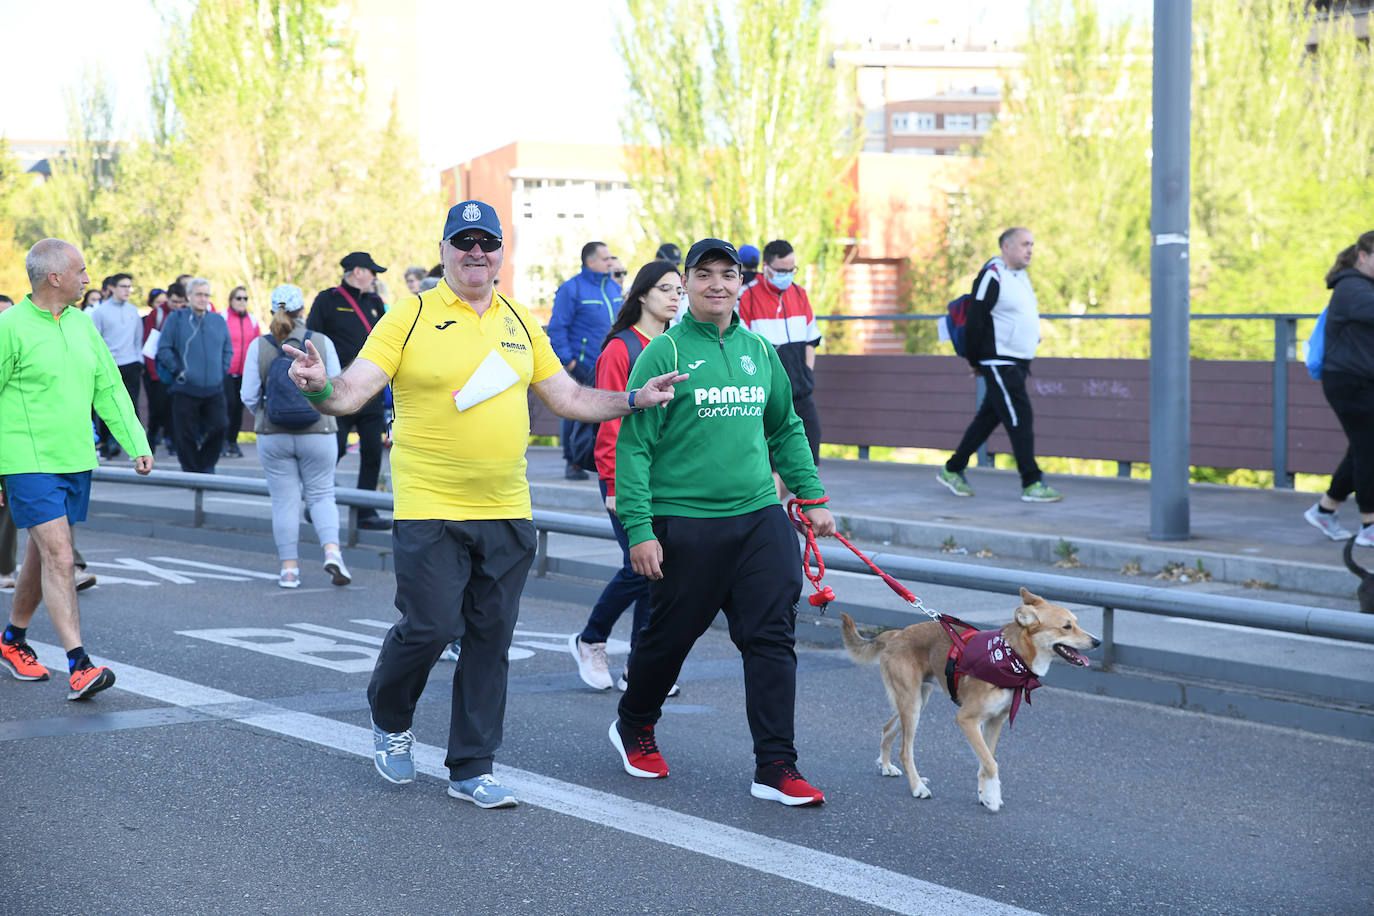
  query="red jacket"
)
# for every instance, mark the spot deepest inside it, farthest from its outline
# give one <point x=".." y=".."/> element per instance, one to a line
<point x="612" y="374"/>
<point x="153" y="320"/>
<point x="243" y="327"/>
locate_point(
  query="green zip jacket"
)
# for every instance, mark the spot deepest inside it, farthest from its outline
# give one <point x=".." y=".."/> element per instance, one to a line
<point x="705" y="455"/>
<point x="52" y="372"/>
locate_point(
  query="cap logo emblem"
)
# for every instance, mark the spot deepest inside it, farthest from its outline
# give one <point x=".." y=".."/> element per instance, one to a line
<point x="472" y="213"/>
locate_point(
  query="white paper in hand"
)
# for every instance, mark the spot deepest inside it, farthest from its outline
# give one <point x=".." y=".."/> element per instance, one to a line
<point x="492" y="376"/>
<point x="150" y="345"/>
<point x="942" y="329"/>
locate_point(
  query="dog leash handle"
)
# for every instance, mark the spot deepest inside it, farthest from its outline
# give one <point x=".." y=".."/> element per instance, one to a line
<point x="824" y="593"/>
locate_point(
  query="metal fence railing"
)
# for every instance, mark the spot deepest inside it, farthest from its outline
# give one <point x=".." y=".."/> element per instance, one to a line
<point x="1110" y="596"/>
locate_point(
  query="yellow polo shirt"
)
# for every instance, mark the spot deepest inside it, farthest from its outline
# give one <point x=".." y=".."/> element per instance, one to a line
<point x="451" y="464"/>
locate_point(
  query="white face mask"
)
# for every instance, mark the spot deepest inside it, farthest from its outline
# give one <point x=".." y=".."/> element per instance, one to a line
<point x="782" y="278"/>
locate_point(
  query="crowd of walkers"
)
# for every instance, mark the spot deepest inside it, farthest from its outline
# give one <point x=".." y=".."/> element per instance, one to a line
<point x="687" y="393"/>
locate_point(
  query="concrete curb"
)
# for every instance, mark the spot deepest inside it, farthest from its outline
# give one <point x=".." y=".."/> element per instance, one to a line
<point x="1313" y="578"/>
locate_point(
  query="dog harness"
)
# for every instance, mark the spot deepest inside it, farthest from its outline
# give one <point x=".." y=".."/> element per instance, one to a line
<point x="985" y="654"/>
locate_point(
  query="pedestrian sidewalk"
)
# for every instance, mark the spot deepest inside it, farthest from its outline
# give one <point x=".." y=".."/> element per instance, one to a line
<point x="1239" y="534"/>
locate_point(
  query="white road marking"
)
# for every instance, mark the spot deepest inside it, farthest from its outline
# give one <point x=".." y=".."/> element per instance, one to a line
<point x="236" y="570"/>
<point x="331" y="631"/>
<point x="176" y="577"/>
<point x="296" y="647"/>
<point x="834" y="874"/>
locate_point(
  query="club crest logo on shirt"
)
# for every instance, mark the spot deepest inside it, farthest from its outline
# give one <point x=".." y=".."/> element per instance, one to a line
<point x="747" y="365"/>
<point x="510" y="325"/>
<point x="472" y="213"/>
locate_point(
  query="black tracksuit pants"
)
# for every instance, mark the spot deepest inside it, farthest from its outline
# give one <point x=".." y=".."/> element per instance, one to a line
<point x="1352" y="398"/>
<point x="370" y="423"/>
<point x="1006" y="402"/>
<point x="749" y="567"/>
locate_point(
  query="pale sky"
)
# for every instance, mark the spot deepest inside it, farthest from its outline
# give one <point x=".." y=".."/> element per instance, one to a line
<point x="548" y="69"/>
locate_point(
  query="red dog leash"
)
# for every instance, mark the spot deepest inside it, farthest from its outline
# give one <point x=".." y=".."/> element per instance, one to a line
<point x="825" y="594"/>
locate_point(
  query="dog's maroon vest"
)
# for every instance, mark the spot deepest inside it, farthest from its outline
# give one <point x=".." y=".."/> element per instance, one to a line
<point x="987" y="656"/>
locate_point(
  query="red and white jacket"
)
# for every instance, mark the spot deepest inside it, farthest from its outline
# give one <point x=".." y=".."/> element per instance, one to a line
<point x="784" y="319"/>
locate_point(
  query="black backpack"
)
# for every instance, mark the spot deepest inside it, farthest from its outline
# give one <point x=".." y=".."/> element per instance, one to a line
<point x="582" y="442"/>
<point x="286" y="405"/>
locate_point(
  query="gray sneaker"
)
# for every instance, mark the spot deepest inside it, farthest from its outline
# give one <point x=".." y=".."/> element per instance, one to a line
<point x="955" y="483"/>
<point x="1038" y="492"/>
<point x="392" y="755"/>
<point x="1326" y="523"/>
<point x="483" y="791"/>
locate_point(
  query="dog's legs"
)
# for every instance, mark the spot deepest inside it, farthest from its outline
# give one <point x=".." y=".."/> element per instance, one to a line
<point x="911" y="718"/>
<point x="885" y="765"/>
<point x="989" y="785"/>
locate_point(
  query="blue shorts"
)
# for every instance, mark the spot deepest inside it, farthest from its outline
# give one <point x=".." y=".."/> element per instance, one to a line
<point x="37" y="498"/>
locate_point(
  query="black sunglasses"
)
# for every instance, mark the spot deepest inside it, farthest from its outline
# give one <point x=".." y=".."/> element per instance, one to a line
<point x="240" y="298"/>
<point x="618" y="273"/>
<point x="489" y="243"/>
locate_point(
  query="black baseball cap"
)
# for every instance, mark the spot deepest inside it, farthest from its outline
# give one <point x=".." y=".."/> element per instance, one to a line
<point x="706" y="246"/>
<point x="669" y="252"/>
<point x="361" y="259"/>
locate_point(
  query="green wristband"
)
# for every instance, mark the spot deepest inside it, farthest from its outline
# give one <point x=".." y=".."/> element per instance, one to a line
<point x="316" y="397"/>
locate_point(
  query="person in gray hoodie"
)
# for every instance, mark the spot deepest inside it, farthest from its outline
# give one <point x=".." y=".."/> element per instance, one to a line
<point x="193" y="357"/>
<point x="1347" y="376"/>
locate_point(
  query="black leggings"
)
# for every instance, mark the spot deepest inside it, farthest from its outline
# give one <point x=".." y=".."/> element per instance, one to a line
<point x="1352" y="398"/>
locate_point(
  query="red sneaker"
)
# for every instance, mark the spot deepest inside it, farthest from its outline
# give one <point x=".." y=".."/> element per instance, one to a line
<point x="779" y="781"/>
<point x="21" y="662"/>
<point x="88" y="681"/>
<point x="638" y="751"/>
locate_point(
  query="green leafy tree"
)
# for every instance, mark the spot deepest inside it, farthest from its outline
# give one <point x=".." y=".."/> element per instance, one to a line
<point x="1282" y="155"/>
<point x="69" y="204"/>
<point x="259" y="168"/>
<point x="745" y="134"/>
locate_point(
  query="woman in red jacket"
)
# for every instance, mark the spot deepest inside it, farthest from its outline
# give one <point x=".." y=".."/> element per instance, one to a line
<point x="650" y="303"/>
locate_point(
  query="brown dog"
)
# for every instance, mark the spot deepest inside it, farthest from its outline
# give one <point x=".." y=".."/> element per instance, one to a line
<point x="912" y="662"/>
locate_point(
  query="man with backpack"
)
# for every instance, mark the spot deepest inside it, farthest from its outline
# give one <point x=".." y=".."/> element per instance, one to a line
<point x="1001" y="333"/>
<point x="346" y="314"/>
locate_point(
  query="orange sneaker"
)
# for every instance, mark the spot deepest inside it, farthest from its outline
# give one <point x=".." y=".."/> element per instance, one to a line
<point x="87" y="681"/>
<point x="21" y="662"/>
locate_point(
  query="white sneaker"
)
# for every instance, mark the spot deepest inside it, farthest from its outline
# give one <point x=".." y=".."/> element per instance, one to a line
<point x="334" y="565"/>
<point x="82" y="579"/>
<point x="1366" y="536"/>
<point x="623" y="685"/>
<point x="1326" y="523"/>
<point x="451" y="652"/>
<point x="289" y="578"/>
<point x="6" y="581"/>
<point x="592" y="665"/>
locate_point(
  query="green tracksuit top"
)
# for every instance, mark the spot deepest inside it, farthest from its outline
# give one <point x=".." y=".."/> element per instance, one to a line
<point x="52" y="372"/>
<point x="705" y="455"/>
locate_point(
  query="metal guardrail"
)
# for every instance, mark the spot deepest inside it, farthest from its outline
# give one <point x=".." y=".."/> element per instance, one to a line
<point x="1110" y="596"/>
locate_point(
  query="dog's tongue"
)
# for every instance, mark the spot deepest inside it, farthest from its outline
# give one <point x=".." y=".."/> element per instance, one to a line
<point x="1078" y="658"/>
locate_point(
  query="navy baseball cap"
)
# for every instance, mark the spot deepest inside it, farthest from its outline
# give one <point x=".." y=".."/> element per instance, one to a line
<point x="705" y="246"/>
<point x="669" y="252"/>
<point x="471" y="214"/>
<point x="749" y="256"/>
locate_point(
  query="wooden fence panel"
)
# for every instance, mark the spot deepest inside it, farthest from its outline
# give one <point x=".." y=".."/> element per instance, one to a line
<point x="1083" y="408"/>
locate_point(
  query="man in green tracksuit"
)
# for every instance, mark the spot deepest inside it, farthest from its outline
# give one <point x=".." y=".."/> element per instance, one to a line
<point x="54" y="367"/>
<point x="695" y="493"/>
